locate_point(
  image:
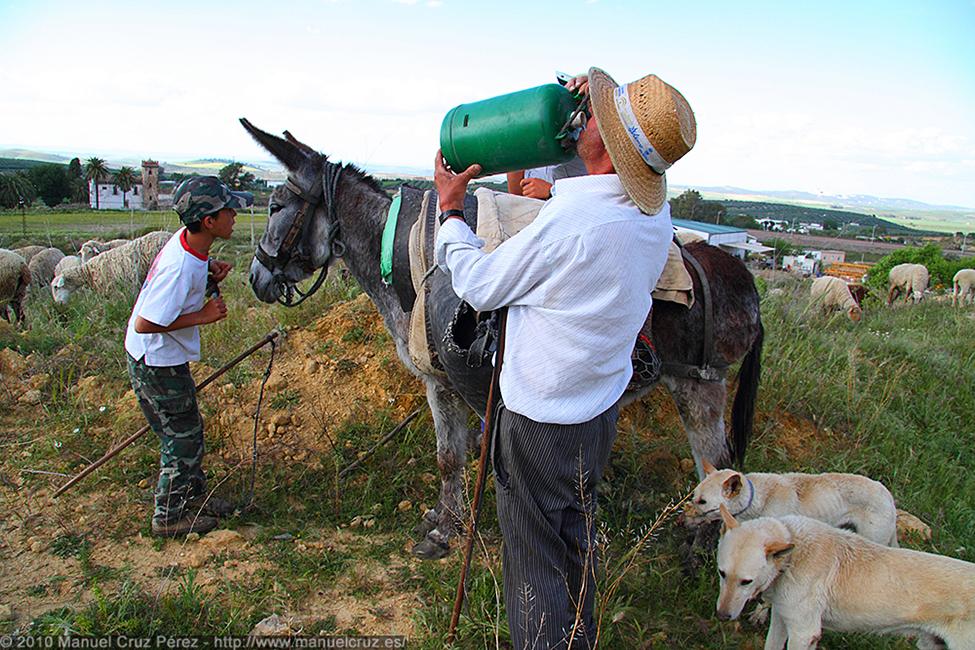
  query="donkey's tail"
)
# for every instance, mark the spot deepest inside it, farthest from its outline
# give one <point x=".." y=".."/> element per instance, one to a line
<point x="743" y="409"/>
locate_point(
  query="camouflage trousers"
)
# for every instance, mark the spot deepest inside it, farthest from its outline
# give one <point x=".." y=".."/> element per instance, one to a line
<point x="167" y="396"/>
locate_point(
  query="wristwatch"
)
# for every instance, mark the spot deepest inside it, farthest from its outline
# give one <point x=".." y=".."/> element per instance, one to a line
<point x="447" y="214"/>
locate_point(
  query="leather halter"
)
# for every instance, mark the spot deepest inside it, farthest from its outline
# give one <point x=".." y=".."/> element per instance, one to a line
<point x="326" y="192"/>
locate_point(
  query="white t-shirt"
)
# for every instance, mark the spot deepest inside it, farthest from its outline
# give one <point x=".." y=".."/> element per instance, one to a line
<point x="175" y="285"/>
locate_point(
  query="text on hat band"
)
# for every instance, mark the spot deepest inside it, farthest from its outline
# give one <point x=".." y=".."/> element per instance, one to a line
<point x="639" y="139"/>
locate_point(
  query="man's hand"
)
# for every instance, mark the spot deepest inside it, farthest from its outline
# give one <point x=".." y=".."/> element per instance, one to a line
<point x="450" y="186"/>
<point x="578" y="84"/>
<point x="213" y="310"/>
<point x="536" y="188"/>
<point x="219" y="270"/>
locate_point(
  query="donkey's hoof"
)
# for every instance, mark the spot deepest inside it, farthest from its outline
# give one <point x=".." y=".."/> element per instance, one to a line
<point x="427" y="523"/>
<point x="427" y="549"/>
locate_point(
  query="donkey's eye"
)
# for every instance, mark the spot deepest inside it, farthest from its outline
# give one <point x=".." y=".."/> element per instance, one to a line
<point x="721" y="573"/>
<point x="745" y="583"/>
<point x="702" y="501"/>
<point x="274" y="207"/>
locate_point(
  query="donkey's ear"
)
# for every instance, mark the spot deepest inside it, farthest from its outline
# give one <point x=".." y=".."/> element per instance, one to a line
<point x="301" y="145"/>
<point x="287" y="153"/>
<point x="729" y="521"/>
<point x="708" y="467"/>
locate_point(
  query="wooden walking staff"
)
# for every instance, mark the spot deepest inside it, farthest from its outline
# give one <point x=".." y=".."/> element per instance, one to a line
<point x="486" y="440"/>
<point x="111" y="453"/>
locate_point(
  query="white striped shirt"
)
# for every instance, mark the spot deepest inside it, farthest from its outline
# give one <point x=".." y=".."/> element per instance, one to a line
<point x="577" y="282"/>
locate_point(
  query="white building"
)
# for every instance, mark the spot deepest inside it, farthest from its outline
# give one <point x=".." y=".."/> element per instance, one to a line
<point x="733" y="240"/>
<point x="110" y="196"/>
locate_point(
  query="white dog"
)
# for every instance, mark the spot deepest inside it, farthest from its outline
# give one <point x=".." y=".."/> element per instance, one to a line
<point x="816" y="576"/>
<point x="849" y="501"/>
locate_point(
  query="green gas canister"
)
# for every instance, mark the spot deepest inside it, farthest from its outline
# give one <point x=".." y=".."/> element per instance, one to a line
<point x="521" y="130"/>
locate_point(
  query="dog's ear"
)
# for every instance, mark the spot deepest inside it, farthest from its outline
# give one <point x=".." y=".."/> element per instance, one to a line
<point x="731" y="486"/>
<point x="729" y="521"/>
<point x="778" y="550"/>
<point x="708" y="467"/>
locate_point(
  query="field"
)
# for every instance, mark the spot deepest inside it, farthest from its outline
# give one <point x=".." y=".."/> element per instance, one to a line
<point x="890" y="398"/>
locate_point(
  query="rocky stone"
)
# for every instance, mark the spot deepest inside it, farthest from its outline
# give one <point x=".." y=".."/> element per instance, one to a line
<point x="144" y="483"/>
<point x="687" y="465"/>
<point x="404" y="505"/>
<point x="32" y="397"/>
<point x="39" y="381"/>
<point x="192" y="537"/>
<point x="276" y="383"/>
<point x="37" y="546"/>
<point x="356" y="522"/>
<point x="311" y="366"/>
<point x="909" y="526"/>
<point x="12" y="363"/>
<point x="222" y="539"/>
<point x="273" y="625"/>
<point x="281" y="419"/>
<point x="368" y="523"/>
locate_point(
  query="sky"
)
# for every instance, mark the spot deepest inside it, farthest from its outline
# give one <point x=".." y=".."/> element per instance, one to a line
<point x="832" y="97"/>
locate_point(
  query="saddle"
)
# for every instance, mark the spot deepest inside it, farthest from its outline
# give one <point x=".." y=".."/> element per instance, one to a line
<point x="447" y="337"/>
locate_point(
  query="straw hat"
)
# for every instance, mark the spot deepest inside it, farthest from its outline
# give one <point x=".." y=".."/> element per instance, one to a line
<point x="647" y="126"/>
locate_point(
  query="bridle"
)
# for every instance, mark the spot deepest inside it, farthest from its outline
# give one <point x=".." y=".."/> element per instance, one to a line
<point x="326" y="192"/>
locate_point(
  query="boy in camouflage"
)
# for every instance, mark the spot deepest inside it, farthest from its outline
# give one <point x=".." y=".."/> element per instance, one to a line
<point x="163" y="337"/>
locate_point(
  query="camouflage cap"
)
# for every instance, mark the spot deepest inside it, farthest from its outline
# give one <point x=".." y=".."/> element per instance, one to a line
<point x="199" y="196"/>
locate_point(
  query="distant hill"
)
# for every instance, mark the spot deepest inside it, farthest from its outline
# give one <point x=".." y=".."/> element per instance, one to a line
<point x="801" y="214"/>
<point x="33" y="156"/>
<point x="856" y="202"/>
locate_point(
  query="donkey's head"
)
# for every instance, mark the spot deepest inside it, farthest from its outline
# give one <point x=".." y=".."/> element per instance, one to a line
<point x="299" y="235"/>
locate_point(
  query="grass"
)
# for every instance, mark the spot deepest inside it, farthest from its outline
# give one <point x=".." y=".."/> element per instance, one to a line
<point x="890" y="398"/>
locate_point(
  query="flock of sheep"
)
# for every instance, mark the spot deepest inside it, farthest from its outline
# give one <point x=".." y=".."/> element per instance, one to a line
<point x="911" y="280"/>
<point x="99" y="266"/>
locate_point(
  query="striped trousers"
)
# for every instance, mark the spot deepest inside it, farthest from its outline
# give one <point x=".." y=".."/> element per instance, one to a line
<point x="546" y="477"/>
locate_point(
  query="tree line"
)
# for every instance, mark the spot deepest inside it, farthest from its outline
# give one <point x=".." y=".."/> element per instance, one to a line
<point x="55" y="184"/>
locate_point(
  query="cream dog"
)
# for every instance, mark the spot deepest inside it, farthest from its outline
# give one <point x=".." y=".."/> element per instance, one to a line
<point x="816" y="576"/>
<point x="849" y="501"/>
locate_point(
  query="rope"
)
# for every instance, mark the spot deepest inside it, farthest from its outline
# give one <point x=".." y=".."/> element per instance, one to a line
<point x="257" y="418"/>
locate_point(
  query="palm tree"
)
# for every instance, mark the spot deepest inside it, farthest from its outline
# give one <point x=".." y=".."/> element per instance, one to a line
<point x="124" y="180"/>
<point x="95" y="170"/>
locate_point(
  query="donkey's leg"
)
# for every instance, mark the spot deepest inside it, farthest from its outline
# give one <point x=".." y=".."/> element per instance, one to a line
<point x="450" y="422"/>
<point x="701" y="406"/>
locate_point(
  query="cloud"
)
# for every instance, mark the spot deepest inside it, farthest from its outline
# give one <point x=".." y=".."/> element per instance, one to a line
<point x="433" y="4"/>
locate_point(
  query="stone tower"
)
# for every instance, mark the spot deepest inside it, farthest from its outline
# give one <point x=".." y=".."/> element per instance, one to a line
<point x="150" y="184"/>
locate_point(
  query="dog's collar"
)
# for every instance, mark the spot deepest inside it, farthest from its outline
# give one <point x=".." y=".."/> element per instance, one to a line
<point x="751" y="497"/>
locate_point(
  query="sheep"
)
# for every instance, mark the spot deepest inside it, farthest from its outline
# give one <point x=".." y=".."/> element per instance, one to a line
<point x="127" y="264"/>
<point x="42" y="266"/>
<point x="14" y="280"/>
<point x="912" y="279"/>
<point x="67" y="262"/>
<point x="93" y="248"/>
<point x="27" y="252"/>
<point x="833" y="293"/>
<point x="963" y="287"/>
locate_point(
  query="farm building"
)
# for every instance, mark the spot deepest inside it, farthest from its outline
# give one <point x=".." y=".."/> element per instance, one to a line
<point x="150" y="193"/>
<point x="733" y="240"/>
<point x="832" y="257"/>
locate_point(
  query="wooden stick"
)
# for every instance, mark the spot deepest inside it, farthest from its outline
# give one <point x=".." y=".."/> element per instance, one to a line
<point x="386" y="438"/>
<point x="486" y="438"/>
<point x="111" y="453"/>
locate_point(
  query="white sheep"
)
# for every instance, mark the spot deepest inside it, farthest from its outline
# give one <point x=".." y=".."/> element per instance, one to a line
<point x="833" y="293"/>
<point x="93" y="247"/>
<point x="67" y="262"/>
<point x="14" y="280"/>
<point x="963" y="287"/>
<point x="126" y="266"/>
<point x="42" y="266"/>
<point x="912" y="279"/>
<point x="27" y="252"/>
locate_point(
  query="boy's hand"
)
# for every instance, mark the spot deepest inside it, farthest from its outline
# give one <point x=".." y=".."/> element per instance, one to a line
<point x="213" y="310"/>
<point x="536" y="188"/>
<point x="219" y="270"/>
